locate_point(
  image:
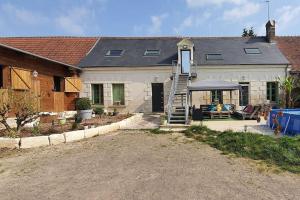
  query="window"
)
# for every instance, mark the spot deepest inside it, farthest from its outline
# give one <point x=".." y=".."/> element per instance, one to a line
<point x="272" y="91"/>
<point x="244" y="94"/>
<point x="57" y="84"/>
<point x="152" y="52"/>
<point x="217" y="95"/>
<point x="115" y="53"/>
<point x="185" y="61"/>
<point x="214" y="57"/>
<point x="252" y="51"/>
<point x="118" y="94"/>
<point x="97" y="94"/>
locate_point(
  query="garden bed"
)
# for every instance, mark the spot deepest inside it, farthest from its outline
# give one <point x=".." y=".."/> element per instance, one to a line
<point x="51" y="125"/>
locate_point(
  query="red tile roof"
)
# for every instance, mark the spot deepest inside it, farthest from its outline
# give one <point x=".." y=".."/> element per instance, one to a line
<point x="290" y="47"/>
<point x="68" y="50"/>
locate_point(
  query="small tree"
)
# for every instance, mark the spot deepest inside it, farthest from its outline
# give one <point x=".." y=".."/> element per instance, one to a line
<point x="287" y="85"/>
<point x="24" y="104"/>
<point x="248" y="32"/>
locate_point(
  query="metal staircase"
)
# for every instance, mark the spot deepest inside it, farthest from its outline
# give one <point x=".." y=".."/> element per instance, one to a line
<point x="178" y="98"/>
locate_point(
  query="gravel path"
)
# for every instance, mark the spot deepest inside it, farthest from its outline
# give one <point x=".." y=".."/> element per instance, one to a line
<point x="137" y="165"/>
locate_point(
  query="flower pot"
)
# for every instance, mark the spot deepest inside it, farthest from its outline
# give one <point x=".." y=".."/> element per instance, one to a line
<point x="85" y="114"/>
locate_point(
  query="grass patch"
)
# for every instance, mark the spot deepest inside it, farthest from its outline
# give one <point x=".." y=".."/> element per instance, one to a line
<point x="283" y="152"/>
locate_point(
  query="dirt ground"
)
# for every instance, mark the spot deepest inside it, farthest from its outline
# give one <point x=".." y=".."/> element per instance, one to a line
<point x="138" y="165"/>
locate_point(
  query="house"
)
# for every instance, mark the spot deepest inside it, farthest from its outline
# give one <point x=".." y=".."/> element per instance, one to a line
<point x="45" y="65"/>
<point x="136" y="74"/>
<point x="145" y="74"/>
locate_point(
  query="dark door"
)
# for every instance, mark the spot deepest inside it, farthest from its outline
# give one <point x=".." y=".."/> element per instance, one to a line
<point x="244" y="94"/>
<point x="157" y="97"/>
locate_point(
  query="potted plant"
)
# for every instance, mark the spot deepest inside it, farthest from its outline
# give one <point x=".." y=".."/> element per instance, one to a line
<point x="84" y="108"/>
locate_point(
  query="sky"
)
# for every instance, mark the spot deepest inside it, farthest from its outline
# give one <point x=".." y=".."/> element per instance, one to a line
<point x="145" y="17"/>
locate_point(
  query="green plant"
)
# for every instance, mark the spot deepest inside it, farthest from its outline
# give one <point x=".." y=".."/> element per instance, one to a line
<point x="98" y="111"/>
<point x="283" y="152"/>
<point x="36" y="129"/>
<point x="83" y="104"/>
<point x="287" y="85"/>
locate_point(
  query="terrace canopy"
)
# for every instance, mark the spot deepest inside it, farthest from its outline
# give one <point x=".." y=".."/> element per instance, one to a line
<point x="208" y="85"/>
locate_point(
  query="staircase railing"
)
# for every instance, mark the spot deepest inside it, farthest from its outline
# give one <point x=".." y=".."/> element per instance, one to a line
<point x="187" y="107"/>
<point x="176" y="73"/>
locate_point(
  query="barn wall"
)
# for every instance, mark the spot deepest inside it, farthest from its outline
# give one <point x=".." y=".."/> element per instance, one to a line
<point x="46" y="70"/>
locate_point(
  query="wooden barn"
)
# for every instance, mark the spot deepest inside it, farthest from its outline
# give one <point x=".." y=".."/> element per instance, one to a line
<point x="46" y="66"/>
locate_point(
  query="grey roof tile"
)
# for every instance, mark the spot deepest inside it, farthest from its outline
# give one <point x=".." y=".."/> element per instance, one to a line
<point x="231" y="48"/>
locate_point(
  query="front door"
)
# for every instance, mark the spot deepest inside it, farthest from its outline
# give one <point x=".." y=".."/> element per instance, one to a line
<point x="185" y="61"/>
<point x="157" y="97"/>
<point x="244" y="94"/>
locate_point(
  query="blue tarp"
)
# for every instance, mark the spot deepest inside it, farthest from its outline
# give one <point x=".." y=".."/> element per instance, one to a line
<point x="290" y="121"/>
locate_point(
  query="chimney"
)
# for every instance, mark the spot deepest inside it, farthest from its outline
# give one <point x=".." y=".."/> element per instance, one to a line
<point x="270" y="31"/>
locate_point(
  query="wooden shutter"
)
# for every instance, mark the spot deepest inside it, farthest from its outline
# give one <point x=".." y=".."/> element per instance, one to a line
<point x="21" y="79"/>
<point x="72" y="84"/>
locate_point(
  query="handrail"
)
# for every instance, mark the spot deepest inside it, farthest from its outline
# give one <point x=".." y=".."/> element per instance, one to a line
<point x="186" y="102"/>
<point x="173" y="90"/>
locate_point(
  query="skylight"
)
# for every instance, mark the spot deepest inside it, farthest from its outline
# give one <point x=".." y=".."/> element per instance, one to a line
<point x="115" y="52"/>
<point x="252" y="51"/>
<point x="152" y="52"/>
<point x="215" y="56"/>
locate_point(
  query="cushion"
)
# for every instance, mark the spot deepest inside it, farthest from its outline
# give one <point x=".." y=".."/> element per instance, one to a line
<point x="219" y="107"/>
<point x="212" y="108"/>
<point x="226" y="107"/>
<point x="249" y="109"/>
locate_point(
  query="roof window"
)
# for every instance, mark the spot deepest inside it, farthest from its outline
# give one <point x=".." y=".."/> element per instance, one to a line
<point x="252" y="51"/>
<point x="152" y="52"/>
<point x="115" y="53"/>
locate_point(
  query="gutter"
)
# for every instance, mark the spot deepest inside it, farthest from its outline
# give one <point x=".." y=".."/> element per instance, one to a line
<point x="38" y="56"/>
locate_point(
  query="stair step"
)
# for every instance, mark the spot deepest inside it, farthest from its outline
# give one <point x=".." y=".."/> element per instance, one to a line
<point x="177" y="117"/>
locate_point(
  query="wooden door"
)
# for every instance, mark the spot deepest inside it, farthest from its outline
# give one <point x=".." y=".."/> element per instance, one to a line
<point x="157" y="97"/>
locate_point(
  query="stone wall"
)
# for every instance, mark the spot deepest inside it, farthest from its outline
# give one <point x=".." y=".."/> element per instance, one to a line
<point x="138" y="91"/>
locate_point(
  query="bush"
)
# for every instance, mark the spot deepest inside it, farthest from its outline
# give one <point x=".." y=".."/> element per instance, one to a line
<point x="83" y="104"/>
<point x="98" y="111"/>
<point x="283" y="152"/>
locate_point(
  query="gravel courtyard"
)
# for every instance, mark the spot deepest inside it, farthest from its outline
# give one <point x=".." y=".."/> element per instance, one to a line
<point x="137" y="165"/>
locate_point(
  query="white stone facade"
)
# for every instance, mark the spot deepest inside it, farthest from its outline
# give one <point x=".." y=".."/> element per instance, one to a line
<point x="138" y="91"/>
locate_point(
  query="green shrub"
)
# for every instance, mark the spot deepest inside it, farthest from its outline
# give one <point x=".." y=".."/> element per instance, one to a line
<point x="98" y="111"/>
<point x="283" y="152"/>
<point x="83" y="104"/>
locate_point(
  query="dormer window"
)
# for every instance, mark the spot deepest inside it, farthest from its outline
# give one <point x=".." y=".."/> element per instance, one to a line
<point x="115" y="53"/>
<point x="252" y="51"/>
<point x="214" y="56"/>
<point x="152" y="52"/>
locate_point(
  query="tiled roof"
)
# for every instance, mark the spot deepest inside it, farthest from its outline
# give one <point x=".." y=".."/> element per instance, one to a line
<point x="68" y="50"/>
<point x="290" y="47"/>
<point x="231" y="48"/>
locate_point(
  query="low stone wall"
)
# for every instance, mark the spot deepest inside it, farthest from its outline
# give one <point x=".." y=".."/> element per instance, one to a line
<point x="54" y="139"/>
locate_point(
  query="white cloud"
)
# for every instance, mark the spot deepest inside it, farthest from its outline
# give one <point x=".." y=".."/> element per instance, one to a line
<point x="74" y="21"/>
<point x="192" y="21"/>
<point x="287" y="17"/>
<point x="21" y="14"/>
<point x="156" y="23"/>
<point x="200" y="3"/>
<point x="241" y="11"/>
<point x="154" y="27"/>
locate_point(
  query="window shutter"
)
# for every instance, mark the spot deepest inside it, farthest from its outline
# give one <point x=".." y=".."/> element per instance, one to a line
<point x="72" y="84"/>
<point x="21" y="79"/>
